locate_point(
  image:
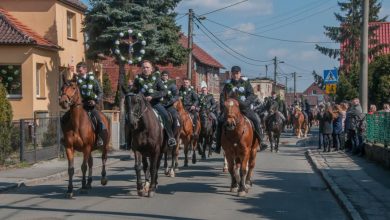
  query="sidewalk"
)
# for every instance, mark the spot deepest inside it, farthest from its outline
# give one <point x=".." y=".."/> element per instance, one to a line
<point x="361" y="186"/>
<point x="50" y="170"/>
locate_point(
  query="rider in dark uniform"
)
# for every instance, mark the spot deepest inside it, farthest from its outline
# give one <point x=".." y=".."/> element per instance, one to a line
<point x="91" y="94"/>
<point x="153" y="89"/>
<point x="307" y="107"/>
<point x="207" y="101"/>
<point x="246" y="96"/>
<point x="276" y="106"/>
<point x="171" y="97"/>
<point x="190" y="100"/>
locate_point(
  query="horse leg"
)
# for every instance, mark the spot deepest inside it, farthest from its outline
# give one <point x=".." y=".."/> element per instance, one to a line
<point x="230" y="164"/>
<point x="86" y="155"/>
<point x="176" y="153"/>
<point x="251" y="166"/>
<point x="194" y="145"/>
<point x="271" y="140"/>
<point x="146" y="169"/>
<point x="166" y="168"/>
<point x="277" y="143"/>
<point x="70" y="156"/>
<point x="242" y="190"/>
<point x="186" y="147"/>
<point x="225" y="164"/>
<point x="104" y="180"/>
<point x="137" y="168"/>
<point x="90" y="165"/>
<point x="237" y="174"/>
<point x="153" y="171"/>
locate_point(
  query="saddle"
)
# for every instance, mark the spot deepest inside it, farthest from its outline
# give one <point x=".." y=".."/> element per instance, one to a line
<point x="93" y="120"/>
<point x="158" y="117"/>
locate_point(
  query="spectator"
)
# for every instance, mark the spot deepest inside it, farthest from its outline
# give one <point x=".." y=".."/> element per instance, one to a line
<point x="372" y="109"/>
<point x="354" y="126"/>
<point x="343" y="112"/>
<point x="328" y="127"/>
<point x="337" y="127"/>
<point x="320" y="118"/>
<point x="386" y="107"/>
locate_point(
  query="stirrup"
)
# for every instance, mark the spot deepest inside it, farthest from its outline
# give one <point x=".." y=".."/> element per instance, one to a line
<point x="99" y="141"/>
<point x="172" y="142"/>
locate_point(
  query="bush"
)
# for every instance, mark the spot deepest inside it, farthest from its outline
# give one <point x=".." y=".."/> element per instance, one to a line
<point x="5" y="125"/>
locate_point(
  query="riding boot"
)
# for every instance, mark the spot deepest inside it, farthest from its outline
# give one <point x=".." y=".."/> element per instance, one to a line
<point x="218" y="137"/>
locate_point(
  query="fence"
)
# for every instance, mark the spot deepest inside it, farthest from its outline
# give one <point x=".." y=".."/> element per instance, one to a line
<point x="378" y="128"/>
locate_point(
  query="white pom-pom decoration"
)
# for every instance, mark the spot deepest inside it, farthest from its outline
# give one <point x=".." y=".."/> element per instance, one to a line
<point x="121" y="34"/>
<point x="117" y="51"/>
<point x="130" y="31"/>
<point x="139" y="35"/>
<point x="139" y="58"/>
<point x="117" y="42"/>
<point x="143" y="43"/>
<point x="130" y="62"/>
<point x="142" y="51"/>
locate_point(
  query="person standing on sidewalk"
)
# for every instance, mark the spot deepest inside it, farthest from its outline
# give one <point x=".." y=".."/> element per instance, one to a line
<point x="337" y="128"/>
<point x="328" y="127"/>
<point x="354" y="117"/>
<point x="320" y="118"/>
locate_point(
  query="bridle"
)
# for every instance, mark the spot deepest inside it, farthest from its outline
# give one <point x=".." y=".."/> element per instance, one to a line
<point x="138" y="115"/>
<point x="70" y="100"/>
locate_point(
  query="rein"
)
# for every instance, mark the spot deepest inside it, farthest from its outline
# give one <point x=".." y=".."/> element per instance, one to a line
<point x="71" y="98"/>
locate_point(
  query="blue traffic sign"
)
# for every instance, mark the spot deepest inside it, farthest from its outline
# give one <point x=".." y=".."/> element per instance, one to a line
<point x="331" y="76"/>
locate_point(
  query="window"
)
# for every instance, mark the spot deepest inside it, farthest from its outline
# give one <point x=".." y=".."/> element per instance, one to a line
<point x="258" y="87"/>
<point x="71" y="25"/>
<point x="40" y="80"/>
<point x="314" y="92"/>
<point x="11" y="78"/>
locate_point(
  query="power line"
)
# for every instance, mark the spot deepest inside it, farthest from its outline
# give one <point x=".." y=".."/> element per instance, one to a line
<point x="228" y="52"/>
<point x="270" y="38"/>
<point x="181" y="16"/>
<point x="296" y="67"/>
<point x="263" y="61"/>
<point x="224" y="8"/>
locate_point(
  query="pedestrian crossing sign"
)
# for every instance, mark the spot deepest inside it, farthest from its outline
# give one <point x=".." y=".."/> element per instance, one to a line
<point x="331" y="76"/>
<point x="330" y="88"/>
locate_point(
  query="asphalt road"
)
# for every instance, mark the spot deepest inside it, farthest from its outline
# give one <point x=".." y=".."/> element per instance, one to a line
<point x="285" y="187"/>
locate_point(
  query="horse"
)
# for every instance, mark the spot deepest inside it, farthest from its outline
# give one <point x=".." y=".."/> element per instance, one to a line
<point x="170" y="171"/>
<point x="188" y="136"/>
<point x="207" y="131"/>
<point x="79" y="135"/>
<point x="274" y="129"/>
<point x="240" y="145"/>
<point x="300" y="123"/>
<point x="148" y="141"/>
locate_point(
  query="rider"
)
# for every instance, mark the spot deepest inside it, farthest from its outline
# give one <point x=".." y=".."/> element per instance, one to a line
<point x="245" y="97"/>
<point x="91" y="94"/>
<point x="207" y="101"/>
<point x="153" y="90"/>
<point x="307" y="106"/>
<point x="171" y="97"/>
<point x="190" y="100"/>
<point x="276" y="106"/>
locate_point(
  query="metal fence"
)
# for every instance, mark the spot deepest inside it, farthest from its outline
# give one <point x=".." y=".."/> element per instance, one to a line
<point x="378" y="128"/>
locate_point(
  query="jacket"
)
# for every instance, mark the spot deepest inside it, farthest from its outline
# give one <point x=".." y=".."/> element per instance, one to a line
<point x="89" y="87"/>
<point x="241" y="90"/>
<point x="172" y="94"/>
<point x="149" y="86"/>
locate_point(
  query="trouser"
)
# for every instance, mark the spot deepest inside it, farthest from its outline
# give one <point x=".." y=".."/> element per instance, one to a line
<point x="165" y="117"/>
<point x="336" y="141"/>
<point x="320" y="140"/>
<point x="175" y="118"/>
<point x="355" y="143"/>
<point x="214" y="117"/>
<point x="327" y="141"/>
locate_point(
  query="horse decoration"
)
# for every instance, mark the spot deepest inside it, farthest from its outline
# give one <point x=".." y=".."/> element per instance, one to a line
<point x="79" y="135"/>
<point x="274" y="128"/>
<point x="188" y="136"/>
<point x="147" y="141"/>
<point x="240" y="145"/>
<point x="207" y="130"/>
<point x="300" y="123"/>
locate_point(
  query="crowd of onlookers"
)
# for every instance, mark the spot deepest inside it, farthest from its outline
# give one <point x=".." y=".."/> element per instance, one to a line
<point x="342" y="126"/>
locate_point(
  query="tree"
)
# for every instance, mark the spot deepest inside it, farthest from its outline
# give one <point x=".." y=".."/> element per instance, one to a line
<point x="107" y="90"/>
<point x="348" y="33"/>
<point x="379" y="84"/>
<point x="5" y="124"/>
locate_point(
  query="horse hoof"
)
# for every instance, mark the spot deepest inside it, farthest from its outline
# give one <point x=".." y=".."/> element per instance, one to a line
<point x="241" y="194"/>
<point x="166" y="172"/>
<point x="234" y="190"/>
<point x="224" y="170"/>
<point x="151" y="194"/>
<point x="176" y="170"/>
<point x="193" y="161"/>
<point x="84" y="191"/>
<point x="104" y="181"/>
<point x="141" y="193"/>
<point x="185" y="165"/>
<point x="204" y="157"/>
<point x="88" y="187"/>
<point x="69" y="195"/>
<point x="172" y="173"/>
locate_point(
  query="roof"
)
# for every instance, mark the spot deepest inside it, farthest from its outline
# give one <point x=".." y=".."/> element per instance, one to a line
<point x="201" y="55"/>
<point x="382" y="34"/>
<point x="76" y="4"/>
<point x="13" y="32"/>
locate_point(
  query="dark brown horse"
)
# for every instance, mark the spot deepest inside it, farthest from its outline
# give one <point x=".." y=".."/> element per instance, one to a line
<point x="207" y="130"/>
<point x="188" y="136"/>
<point x="174" y="153"/>
<point x="274" y="129"/>
<point x="240" y="145"/>
<point x="79" y="135"/>
<point x="147" y="141"/>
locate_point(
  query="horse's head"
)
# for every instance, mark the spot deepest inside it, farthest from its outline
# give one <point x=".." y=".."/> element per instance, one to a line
<point x="204" y="115"/>
<point x="135" y="106"/>
<point x="179" y="105"/>
<point x="232" y="113"/>
<point x="297" y="112"/>
<point x="70" y="94"/>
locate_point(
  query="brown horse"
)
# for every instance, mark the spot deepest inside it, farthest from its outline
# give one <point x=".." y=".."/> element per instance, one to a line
<point x="147" y="141"/>
<point x="79" y="135"/>
<point x="300" y="123"/>
<point x="188" y="136"/>
<point x="240" y="145"/>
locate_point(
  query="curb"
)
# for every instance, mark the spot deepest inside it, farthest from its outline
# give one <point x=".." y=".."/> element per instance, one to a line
<point x="52" y="177"/>
<point x="340" y="196"/>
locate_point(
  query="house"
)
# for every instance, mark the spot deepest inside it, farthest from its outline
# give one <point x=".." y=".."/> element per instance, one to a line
<point x="314" y="94"/>
<point x="262" y="87"/>
<point x="204" y="68"/>
<point x="39" y="41"/>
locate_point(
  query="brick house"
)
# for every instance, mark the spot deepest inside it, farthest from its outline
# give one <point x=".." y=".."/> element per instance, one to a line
<point x="313" y="94"/>
<point x="39" y="41"/>
<point x="204" y="68"/>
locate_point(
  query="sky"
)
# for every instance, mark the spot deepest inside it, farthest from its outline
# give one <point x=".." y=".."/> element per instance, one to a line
<point x="287" y="29"/>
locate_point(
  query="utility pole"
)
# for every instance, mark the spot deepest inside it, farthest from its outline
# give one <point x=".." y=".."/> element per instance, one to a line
<point x="363" y="91"/>
<point x="275" y="66"/>
<point x="295" y="84"/>
<point x="190" y="32"/>
<point x="266" y="71"/>
<point x="286" y="84"/>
